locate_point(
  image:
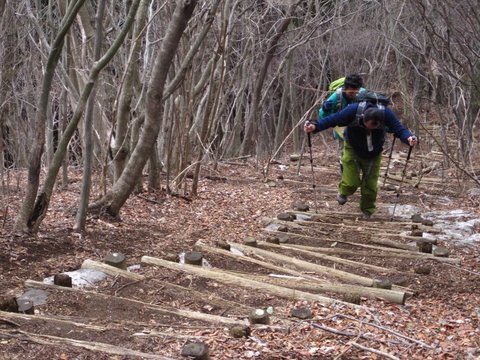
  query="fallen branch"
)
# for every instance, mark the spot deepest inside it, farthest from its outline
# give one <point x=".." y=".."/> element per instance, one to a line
<point x="110" y="270"/>
<point x="375" y="351"/>
<point x="418" y="342"/>
<point x="89" y="345"/>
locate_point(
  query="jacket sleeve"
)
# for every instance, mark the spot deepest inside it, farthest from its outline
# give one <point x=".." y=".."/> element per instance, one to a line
<point x="395" y="126"/>
<point x="341" y="118"/>
<point x="328" y="106"/>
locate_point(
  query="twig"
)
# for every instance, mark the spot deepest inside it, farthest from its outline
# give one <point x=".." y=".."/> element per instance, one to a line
<point x="375" y="351"/>
<point x="9" y="322"/>
<point x="421" y="343"/>
<point x="150" y="200"/>
<point x="125" y="285"/>
<point x="466" y="270"/>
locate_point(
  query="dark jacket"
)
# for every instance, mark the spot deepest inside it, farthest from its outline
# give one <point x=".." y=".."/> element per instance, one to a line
<point x="356" y="133"/>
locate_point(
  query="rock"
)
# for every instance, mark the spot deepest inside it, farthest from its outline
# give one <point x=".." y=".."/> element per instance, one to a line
<point x="424" y="247"/>
<point x="259" y="316"/>
<point x="282" y="228"/>
<point x="441" y="251"/>
<point x="194" y="258"/>
<point x="295" y="157"/>
<point x="8" y="303"/>
<point x="352" y="298"/>
<point x="382" y="284"/>
<point x="196" y="350"/>
<point x="417" y="218"/>
<point x="240" y="331"/>
<point x="302" y="313"/>
<point x="62" y="280"/>
<point x="283" y="238"/>
<point x="223" y="245"/>
<point x="300" y="206"/>
<point x="117" y="260"/>
<point x="422" y="270"/>
<point x="171" y="257"/>
<point x="427" y="222"/>
<point x="250" y="241"/>
<point x="417" y="233"/>
<point x="273" y="240"/>
<point x="286" y="217"/>
<point x="25" y="306"/>
<point x="399" y="280"/>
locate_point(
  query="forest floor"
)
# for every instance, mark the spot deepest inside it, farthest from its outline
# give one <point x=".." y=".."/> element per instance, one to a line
<point x="441" y="320"/>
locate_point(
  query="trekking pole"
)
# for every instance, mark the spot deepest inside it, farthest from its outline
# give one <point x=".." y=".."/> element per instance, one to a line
<point x="309" y="138"/>
<point x="388" y="163"/>
<point x="401" y="182"/>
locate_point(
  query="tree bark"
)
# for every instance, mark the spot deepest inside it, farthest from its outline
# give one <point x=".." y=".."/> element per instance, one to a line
<point x="35" y="158"/>
<point x="118" y="194"/>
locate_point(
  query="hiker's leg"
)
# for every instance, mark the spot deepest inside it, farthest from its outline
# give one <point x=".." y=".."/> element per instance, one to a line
<point x="369" y="187"/>
<point x="351" y="172"/>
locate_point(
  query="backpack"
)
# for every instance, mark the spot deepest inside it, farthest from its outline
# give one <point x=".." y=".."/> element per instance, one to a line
<point x="336" y="86"/>
<point x="368" y="97"/>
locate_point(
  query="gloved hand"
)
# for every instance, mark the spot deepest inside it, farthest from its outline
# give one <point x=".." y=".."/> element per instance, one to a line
<point x="308" y="127"/>
<point x="412" y="140"/>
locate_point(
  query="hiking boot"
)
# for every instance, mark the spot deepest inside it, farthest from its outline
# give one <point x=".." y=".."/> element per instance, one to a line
<point x="341" y="199"/>
<point x="366" y="216"/>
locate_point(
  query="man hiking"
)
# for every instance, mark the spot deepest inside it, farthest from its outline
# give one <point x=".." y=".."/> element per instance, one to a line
<point x="341" y="96"/>
<point x="364" y="138"/>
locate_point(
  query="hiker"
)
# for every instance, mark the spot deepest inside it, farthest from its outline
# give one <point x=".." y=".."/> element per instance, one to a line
<point x="364" y="138"/>
<point x="344" y="92"/>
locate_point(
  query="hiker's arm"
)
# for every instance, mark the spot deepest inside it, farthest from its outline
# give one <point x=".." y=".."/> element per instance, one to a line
<point x="341" y="118"/>
<point x="395" y="126"/>
<point x="328" y="106"/>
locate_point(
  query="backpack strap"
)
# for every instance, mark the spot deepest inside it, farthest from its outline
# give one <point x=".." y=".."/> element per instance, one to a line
<point x="339" y="93"/>
<point x="362" y="106"/>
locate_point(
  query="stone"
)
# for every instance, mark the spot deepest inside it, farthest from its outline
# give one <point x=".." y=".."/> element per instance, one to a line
<point x="427" y="222"/>
<point x="286" y="217"/>
<point x="382" y="284"/>
<point x="250" y="241"/>
<point x="196" y="350"/>
<point x="352" y="298"/>
<point x="25" y="306"/>
<point x="441" y="251"/>
<point x="302" y="313"/>
<point x="422" y="270"/>
<point x="282" y="228"/>
<point x="300" y="206"/>
<point x="117" y="260"/>
<point x="223" y="245"/>
<point x="193" y="258"/>
<point x="171" y="257"/>
<point x="417" y="218"/>
<point x="417" y="233"/>
<point x="425" y="247"/>
<point x="273" y="240"/>
<point x="62" y="280"/>
<point x="240" y="331"/>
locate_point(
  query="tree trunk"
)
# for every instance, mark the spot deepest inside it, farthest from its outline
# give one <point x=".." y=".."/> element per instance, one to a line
<point x="35" y="158"/>
<point x="116" y="197"/>
<point x="34" y="217"/>
<point x="88" y="136"/>
<point x="121" y="145"/>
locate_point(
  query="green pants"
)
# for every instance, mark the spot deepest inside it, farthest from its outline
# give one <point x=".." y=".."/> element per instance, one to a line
<point x="353" y="165"/>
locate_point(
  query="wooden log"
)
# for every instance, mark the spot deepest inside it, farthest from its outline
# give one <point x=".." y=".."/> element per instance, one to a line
<point x="388" y="252"/>
<point x="41" y="319"/>
<point x="229" y="279"/>
<point x="311" y="283"/>
<point x="305" y="265"/>
<point x="110" y="270"/>
<point x="259" y="316"/>
<point x="160" y="309"/>
<point x="316" y="285"/>
<point x="89" y="345"/>
<point x="335" y="259"/>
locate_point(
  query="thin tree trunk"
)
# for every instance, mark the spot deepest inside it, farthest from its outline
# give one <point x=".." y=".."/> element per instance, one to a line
<point x="118" y="194"/>
<point x="35" y="158"/>
<point x="121" y="145"/>
<point x="88" y="144"/>
<point x="38" y="212"/>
